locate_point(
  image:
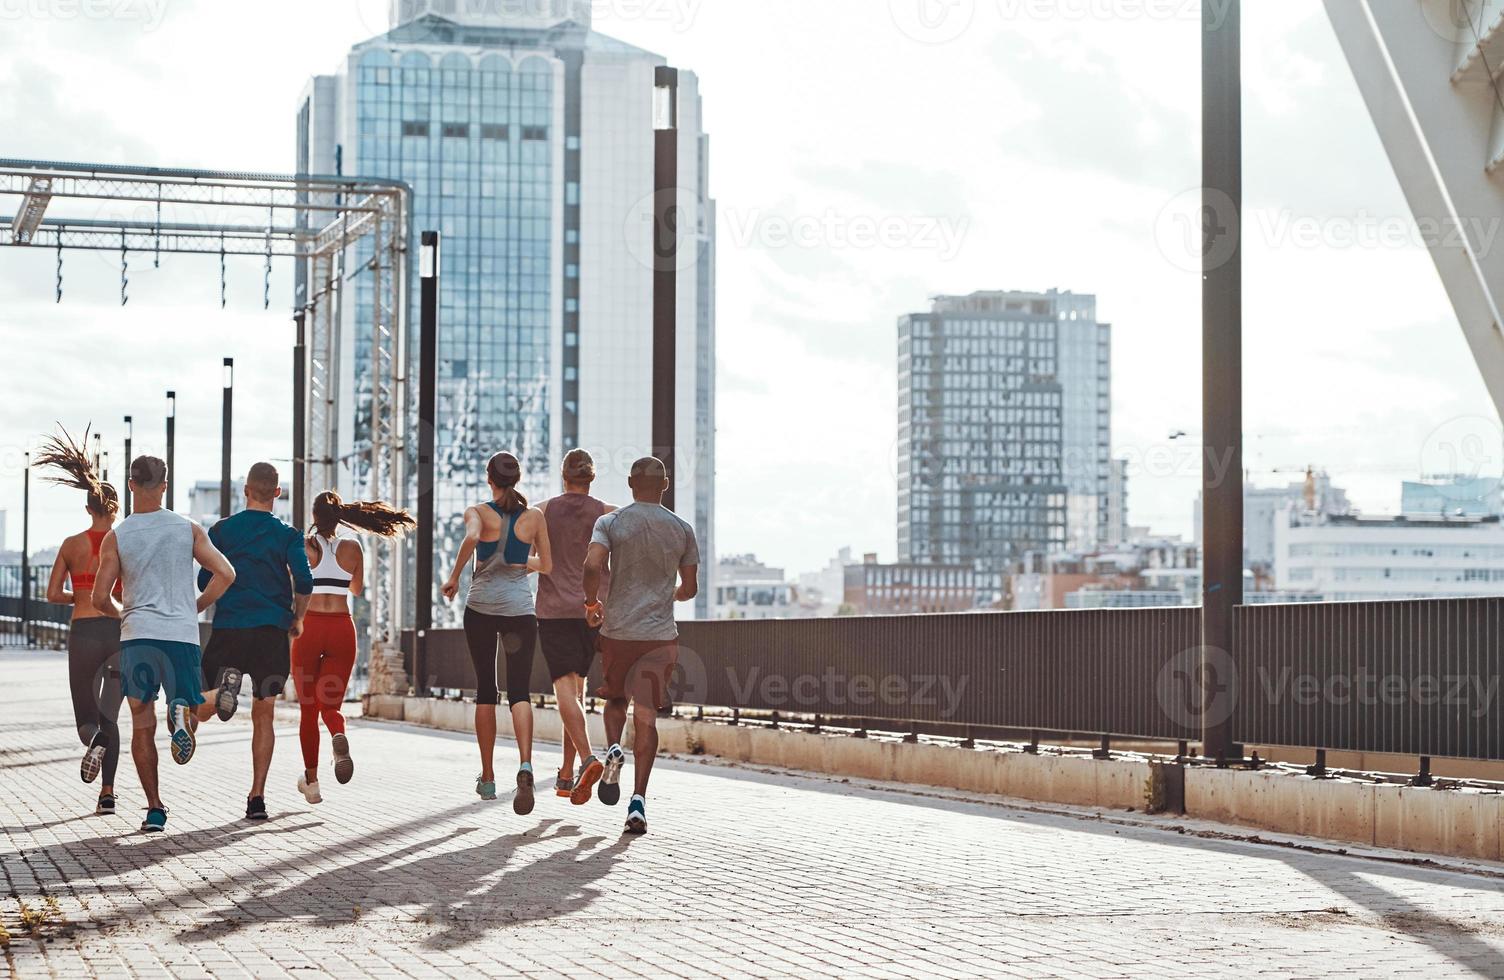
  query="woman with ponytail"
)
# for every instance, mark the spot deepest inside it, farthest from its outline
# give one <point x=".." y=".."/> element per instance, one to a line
<point x="324" y="655"/>
<point x="94" y="636"/>
<point x="509" y="540"/>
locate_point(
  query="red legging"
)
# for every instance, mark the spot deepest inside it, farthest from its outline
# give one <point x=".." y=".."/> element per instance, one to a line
<point x="322" y="659"/>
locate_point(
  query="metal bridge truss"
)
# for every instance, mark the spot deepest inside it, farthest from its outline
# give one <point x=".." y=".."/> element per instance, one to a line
<point x="341" y="228"/>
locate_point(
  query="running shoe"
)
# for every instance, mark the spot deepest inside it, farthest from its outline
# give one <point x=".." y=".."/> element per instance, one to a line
<point x="591" y="771"/>
<point x="344" y="766"/>
<point x="637" y="816"/>
<point x="156" y="820"/>
<point x="183" y="739"/>
<point x="228" y="698"/>
<point x="93" y="759"/>
<point x="610" y="789"/>
<point x="486" y="790"/>
<point x="105" y="807"/>
<point x="522" y="803"/>
<point x="309" y="790"/>
<point x="255" y="808"/>
<point x="564" y="784"/>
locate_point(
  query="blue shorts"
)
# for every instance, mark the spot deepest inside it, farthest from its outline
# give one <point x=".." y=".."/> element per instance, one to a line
<point x="148" y="666"/>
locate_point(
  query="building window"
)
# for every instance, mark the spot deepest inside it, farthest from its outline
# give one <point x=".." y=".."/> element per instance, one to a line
<point x="491" y="131"/>
<point x="414" y="128"/>
<point x="456" y="130"/>
<point x="535" y="132"/>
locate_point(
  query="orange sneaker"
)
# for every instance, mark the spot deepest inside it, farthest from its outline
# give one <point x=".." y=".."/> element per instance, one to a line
<point x="583" y="786"/>
<point x="564" y="784"/>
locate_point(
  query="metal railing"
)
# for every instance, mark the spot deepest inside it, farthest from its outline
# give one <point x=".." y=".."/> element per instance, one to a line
<point x="35" y="622"/>
<point x="1418" y="678"/>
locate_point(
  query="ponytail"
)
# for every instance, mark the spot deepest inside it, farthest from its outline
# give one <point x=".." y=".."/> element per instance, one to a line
<point x="69" y="458"/>
<point x="504" y="473"/>
<point x="367" y="516"/>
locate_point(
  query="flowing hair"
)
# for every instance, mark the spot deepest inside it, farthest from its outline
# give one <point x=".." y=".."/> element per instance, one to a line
<point x="59" y="452"/>
<point x="367" y="516"/>
<point x="504" y="473"/>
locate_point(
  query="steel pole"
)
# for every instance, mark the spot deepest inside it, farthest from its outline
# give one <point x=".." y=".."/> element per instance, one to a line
<point x="1222" y="366"/>
<point x="300" y="422"/>
<point x="26" y="547"/>
<point x="428" y="373"/>
<point x="172" y="434"/>
<point x="666" y="272"/>
<point x="224" y="451"/>
<point x="126" y="466"/>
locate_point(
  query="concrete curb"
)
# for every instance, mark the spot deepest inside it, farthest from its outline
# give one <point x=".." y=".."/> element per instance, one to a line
<point x="1458" y="823"/>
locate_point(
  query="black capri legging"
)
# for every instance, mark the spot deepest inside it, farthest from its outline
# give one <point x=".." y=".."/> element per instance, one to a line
<point x="519" y="641"/>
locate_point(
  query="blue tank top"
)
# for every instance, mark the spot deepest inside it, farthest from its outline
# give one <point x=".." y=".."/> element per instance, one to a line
<point x="514" y="551"/>
<point x="499" y="583"/>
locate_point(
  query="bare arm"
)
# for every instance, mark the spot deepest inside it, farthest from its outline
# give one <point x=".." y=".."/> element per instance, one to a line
<point x="106" y="577"/>
<point x="542" y="558"/>
<point x="55" y="589"/>
<point x="222" y="573"/>
<point x="467" y="549"/>
<point x="689" y="583"/>
<point x="358" y="582"/>
<point x="595" y="564"/>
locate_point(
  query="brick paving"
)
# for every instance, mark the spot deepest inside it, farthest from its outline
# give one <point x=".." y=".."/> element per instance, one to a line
<point x="747" y="873"/>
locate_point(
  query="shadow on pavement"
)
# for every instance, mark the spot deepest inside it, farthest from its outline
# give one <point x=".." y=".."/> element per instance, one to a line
<point x="464" y="892"/>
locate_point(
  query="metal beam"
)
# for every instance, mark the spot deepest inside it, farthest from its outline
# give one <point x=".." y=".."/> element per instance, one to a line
<point x="33" y="207"/>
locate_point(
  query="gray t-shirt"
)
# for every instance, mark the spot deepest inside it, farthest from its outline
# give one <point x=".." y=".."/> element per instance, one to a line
<point x="649" y="544"/>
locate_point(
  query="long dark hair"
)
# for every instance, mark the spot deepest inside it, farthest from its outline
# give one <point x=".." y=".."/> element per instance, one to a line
<point x="369" y="516"/>
<point x="69" y="458"/>
<point x="504" y="473"/>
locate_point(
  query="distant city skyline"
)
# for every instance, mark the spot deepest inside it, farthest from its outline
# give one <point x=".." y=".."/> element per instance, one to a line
<point x="834" y="219"/>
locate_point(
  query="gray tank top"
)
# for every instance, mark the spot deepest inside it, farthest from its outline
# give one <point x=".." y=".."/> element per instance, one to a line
<point x="156" y="569"/>
<point x="499" y="583"/>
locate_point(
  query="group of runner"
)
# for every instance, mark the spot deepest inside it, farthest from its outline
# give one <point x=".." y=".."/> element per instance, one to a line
<point x="282" y="610"/>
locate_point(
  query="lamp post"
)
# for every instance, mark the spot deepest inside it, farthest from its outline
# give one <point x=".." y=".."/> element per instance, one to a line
<point x="300" y="422"/>
<point x="1222" y="367"/>
<point x="428" y="349"/>
<point x="172" y="433"/>
<point x="127" y="494"/>
<point x="98" y="452"/>
<point x="26" y="547"/>
<point x="224" y="450"/>
<point x="665" y="266"/>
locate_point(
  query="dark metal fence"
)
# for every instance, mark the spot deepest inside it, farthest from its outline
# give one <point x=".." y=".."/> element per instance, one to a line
<point x="40" y="622"/>
<point x="1419" y="678"/>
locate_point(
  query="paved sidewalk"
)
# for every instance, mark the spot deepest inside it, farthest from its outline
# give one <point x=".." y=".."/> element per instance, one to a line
<point x="746" y="873"/>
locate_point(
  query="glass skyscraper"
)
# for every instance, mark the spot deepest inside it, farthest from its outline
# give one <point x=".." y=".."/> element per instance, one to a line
<point x="1004" y="428"/>
<point x="528" y="140"/>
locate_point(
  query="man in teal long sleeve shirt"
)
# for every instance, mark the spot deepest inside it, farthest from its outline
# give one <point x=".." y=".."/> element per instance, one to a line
<point x="256" y="620"/>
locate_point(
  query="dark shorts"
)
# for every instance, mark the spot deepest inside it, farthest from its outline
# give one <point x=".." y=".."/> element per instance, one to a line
<point x="638" y="670"/>
<point x="568" y="646"/>
<point x="148" y="666"/>
<point x="262" y="653"/>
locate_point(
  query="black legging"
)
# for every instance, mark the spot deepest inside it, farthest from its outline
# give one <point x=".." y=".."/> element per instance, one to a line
<point x="519" y="640"/>
<point x="94" y="680"/>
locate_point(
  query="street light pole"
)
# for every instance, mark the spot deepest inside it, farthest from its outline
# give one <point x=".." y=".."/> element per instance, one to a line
<point x="224" y="450"/>
<point x="172" y="432"/>
<point x="428" y="370"/>
<point x="26" y="547"/>
<point x="1222" y="367"/>
<point x="300" y="422"/>
<point x="126" y="496"/>
<point x="665" y="267"/>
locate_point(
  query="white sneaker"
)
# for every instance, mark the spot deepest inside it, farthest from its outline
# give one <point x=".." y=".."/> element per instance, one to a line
<point x="309" y="790"/>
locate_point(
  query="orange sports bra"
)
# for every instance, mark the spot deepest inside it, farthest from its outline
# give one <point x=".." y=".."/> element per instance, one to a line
<point x="84" y="581"/>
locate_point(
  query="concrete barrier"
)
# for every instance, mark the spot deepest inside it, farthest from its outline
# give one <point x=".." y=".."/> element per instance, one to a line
<point x="1460" y="823"/>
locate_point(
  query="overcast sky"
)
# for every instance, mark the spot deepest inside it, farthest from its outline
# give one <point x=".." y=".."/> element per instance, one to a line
<point x="1009" y="145"/>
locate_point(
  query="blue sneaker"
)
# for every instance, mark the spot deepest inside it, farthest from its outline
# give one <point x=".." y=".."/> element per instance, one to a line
<point x="183" y="739"/>
<point x="485" y="790"/>
<point x="609" y="792"/>
<point x="637" y="816"/>
<point x="156" y="820"/>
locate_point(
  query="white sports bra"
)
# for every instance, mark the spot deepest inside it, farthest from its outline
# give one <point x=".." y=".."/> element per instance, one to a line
<point x="329" y="578"/>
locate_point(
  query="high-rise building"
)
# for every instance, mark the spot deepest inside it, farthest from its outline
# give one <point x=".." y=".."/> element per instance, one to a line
<point x="528" y="140"/>
<point x="1453" y="496"/>
<point x="1004" y="428"/>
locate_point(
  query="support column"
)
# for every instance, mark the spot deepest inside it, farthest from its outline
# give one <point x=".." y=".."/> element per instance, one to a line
<point x="428" y="372"/>
<point x="665" y="269"/>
